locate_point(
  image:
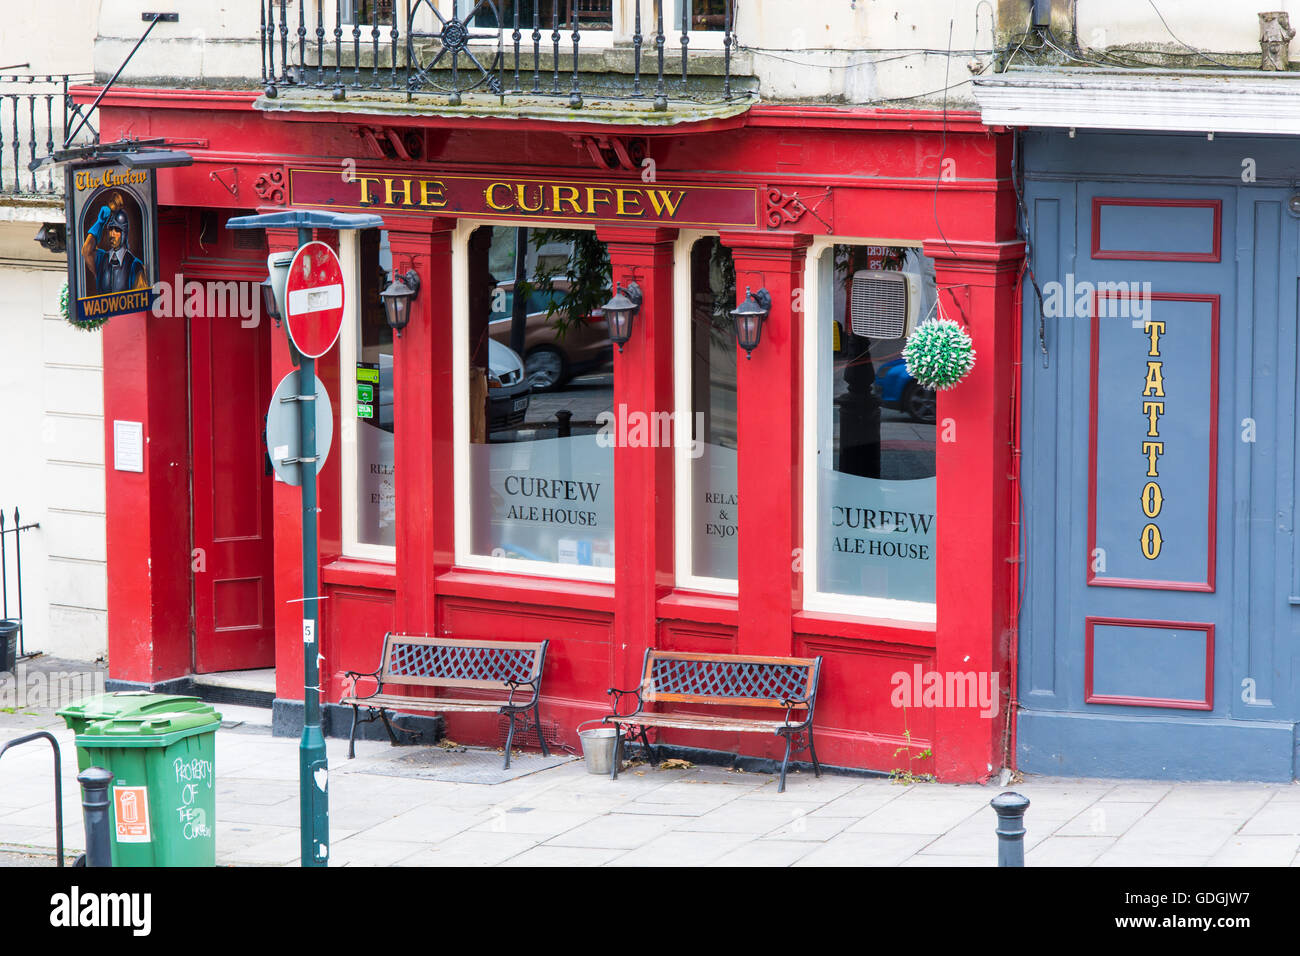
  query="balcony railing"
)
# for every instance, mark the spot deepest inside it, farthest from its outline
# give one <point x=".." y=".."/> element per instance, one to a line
<point x="522" y="49"/>
<point x="35" y="117"/>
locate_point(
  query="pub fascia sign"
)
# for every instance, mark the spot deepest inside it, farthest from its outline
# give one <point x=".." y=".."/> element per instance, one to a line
<point x="509" y="197"/>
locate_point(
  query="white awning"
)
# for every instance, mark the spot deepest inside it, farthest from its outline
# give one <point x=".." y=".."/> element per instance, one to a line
<point x="1248" y="101"/>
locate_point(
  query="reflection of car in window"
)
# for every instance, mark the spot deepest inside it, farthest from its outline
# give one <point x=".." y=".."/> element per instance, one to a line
<point x="552" y="357"/>
<point x="899" y="390"/>
<point x="508" y="390"/>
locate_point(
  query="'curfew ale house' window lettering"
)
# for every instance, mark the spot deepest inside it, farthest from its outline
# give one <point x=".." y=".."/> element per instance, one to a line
<point x="541" y="388"/>
<point x="876" y="519"/>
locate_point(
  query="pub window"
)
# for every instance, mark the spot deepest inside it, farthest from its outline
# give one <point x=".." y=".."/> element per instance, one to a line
<point x="702" y="15"/>
<point x="871" y="480"/>
<point x="707" y="551"/>
<point x="592" y="15"/>
<point x="539" y="428"/>
<point x="366" y="348"/>
<point x="368" y="11"/>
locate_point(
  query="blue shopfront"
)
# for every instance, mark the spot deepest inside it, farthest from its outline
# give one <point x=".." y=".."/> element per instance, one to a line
<point x="1159" y="630"/>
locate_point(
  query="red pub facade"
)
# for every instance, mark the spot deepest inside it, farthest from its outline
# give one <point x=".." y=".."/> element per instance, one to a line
<point x="759" y="544"/>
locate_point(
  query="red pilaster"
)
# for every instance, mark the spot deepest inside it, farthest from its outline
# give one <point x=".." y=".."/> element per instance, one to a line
<point x="422" y="399"/>
<point x="288" y="528"/>
<point x="769" y="423"/>
<point x="145" y="365"/>
<point x="643" y="476"/>
<point x="976" y="282"/>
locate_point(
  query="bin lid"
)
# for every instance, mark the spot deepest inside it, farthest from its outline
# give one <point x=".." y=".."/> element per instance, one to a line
<point x="125" y="702"/>
<point x="152" y="730"/>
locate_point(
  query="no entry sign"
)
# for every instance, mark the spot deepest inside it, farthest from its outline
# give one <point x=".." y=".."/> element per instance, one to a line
<point x="314" y="299"/>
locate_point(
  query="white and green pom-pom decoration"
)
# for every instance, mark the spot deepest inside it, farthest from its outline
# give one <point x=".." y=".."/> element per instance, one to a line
<point x="65" y="305"/>
<point x="939" y="354"/>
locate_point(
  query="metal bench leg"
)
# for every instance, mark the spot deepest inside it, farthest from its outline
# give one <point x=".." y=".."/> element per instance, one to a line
<point x="618" y="752"/>
<point x="352" y="737"/>
<point x="817" y="768"/>
<point x="510" y="738"/>
<point x="383" y="714"/>
<point x="537" y="722"/>
<point x="650" y="751"/>
<point x="784" y="763"/>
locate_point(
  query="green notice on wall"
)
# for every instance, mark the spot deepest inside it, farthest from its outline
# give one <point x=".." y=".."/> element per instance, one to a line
<point x="367" y="387"/>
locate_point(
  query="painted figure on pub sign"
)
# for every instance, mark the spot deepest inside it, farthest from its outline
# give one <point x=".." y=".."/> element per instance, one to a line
<point x="107" y="249"/>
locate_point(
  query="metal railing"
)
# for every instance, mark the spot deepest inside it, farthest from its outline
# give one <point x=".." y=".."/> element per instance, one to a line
<point x="35" y="115"/>
<point x="58" y="783"/>
<point x="512" y="48"/>
<point x="17" y="548"/>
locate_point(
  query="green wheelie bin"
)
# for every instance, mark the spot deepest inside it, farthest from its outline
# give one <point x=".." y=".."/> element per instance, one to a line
<point x="125" y="703"/>
<point x="163" y="797"/>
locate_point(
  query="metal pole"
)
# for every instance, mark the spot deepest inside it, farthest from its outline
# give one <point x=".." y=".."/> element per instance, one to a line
<point x="157" y="18"/>
<point x="313" y="768"/>
<point x="1010" y="808"/>
<point x="94" y="811"/>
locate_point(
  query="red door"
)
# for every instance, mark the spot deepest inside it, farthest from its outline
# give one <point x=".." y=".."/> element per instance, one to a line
<point x="232" y="561"/>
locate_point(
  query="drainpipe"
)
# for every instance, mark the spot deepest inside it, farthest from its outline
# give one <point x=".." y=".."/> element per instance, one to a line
<point x="1016" y="561"/>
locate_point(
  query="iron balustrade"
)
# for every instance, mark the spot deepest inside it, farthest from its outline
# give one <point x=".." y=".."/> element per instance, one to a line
<point x="35" y="116"/>
<point x="451" y="48"/>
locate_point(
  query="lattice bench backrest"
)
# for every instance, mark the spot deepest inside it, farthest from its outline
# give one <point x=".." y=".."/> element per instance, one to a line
<point x="712" y="678"/>
<point x="444" y="662"/>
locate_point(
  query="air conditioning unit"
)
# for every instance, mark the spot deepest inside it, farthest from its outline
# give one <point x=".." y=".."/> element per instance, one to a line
<point x="884" y="303"/>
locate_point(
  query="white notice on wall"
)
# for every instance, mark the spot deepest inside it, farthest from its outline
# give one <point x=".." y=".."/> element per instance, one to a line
<point x="128" y="446"/>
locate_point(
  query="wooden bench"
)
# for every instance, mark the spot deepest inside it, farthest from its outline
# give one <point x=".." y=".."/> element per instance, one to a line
<point x="443" y="662"/>
<point x="725" y="680"/>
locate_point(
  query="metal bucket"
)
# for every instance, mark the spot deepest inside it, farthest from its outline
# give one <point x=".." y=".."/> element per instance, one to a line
<point x="600" y="746"/>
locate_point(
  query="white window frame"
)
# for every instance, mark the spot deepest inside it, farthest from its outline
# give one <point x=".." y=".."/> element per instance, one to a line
<point x="350" y="256"/>
<point x="587" y="39"/>
<point x="684" y="492"/>
<point x="710" y="40"/>
<point x="825" y="601"/>
<point x="460" y="413"/>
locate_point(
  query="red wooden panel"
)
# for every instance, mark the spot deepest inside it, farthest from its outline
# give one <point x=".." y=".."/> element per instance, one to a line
<point x="353" y="625"/>
<point x="232" y="563"/>
<point x="1211" y="562"/>
<point x="1212" y="254"/>
<point x="1091" y="697"/>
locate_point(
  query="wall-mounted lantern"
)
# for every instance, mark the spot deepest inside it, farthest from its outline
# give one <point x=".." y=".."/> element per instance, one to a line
<point x="397" y="299"/>
<point x="621" y="310"/>
<point x="269" y="305"/>
<point x="749" y="319"/>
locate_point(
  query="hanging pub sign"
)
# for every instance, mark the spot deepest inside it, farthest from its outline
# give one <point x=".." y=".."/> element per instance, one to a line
<point x="513" y="197"/>
<point x="112" y="241"/>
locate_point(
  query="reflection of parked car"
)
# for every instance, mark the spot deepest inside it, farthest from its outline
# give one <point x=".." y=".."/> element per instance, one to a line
<point x="897" y="389"/>
<point x="508" y="388"/>
<point x="551" y="359"/>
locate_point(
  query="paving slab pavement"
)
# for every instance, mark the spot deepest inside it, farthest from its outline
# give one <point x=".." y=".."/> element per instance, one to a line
<point x="692" y="816"/>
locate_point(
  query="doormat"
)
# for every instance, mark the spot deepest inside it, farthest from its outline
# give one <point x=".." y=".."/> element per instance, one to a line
<point x="462" y="765"/>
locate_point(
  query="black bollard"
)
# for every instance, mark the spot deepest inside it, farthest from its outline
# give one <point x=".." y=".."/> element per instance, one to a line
<point x="94" y="807"/>
<point x="1010" y="807"/>
<point x="565" y="418"/>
